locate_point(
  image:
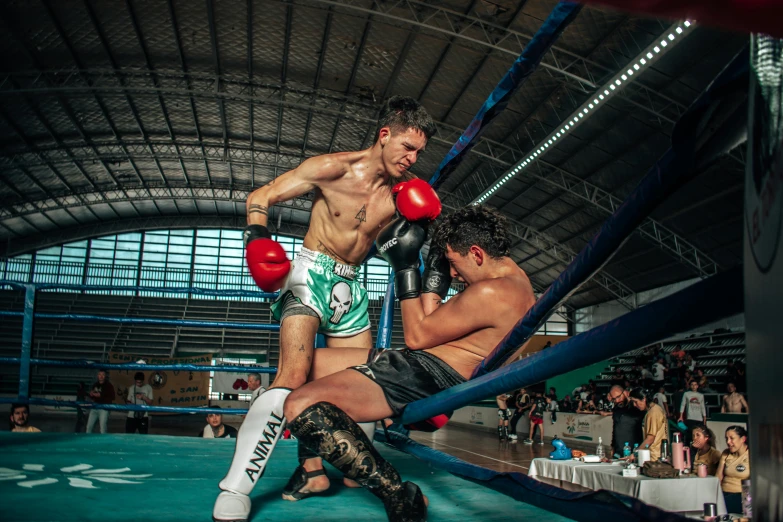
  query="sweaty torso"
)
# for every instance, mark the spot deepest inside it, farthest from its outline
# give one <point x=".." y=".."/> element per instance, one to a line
<point x="348" y="213"/>
<point x="733" y="403"/>
<point x="467" y="352"/>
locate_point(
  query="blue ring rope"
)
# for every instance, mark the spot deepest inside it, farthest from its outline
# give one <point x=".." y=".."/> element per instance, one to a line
<point x="146" y="320"/>
<point x="157" y="289"/>
<point x="92" y="365"/>
<point x="121" y="407"/>
<point x="709" y="300"/>
<point x="676" y="167"/>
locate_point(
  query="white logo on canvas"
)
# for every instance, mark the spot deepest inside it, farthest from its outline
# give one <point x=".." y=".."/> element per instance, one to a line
<point x="79" y="476"/>
<point x="340" y="301"/>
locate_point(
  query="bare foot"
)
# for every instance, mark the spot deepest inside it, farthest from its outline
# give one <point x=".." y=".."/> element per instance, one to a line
<point x="351" y="483"/>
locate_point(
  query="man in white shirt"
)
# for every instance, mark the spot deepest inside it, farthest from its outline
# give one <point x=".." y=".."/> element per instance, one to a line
<point x="139" y="394"/>
<point x="658" y="370"/>
<point x="660" y="398"/>
<point x="254" y="385"/>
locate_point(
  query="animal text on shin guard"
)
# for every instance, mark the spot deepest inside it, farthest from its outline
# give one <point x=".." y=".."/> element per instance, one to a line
<point x="264" y="446"/>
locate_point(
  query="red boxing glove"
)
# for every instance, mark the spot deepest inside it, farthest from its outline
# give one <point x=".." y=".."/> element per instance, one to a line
<point x="416" y="200"/>
<point x="432" y="424"/>
<point x="266" y="259"/>
<point x="237" y="384"/>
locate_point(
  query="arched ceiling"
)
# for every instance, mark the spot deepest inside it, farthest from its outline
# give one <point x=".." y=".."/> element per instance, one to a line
<point x="143" y="114"/>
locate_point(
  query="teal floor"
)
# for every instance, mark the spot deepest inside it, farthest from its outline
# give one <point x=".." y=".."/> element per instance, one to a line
<point x="65" y="477"/>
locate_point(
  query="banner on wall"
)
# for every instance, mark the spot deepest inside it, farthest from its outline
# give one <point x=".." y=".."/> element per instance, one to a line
<point x="169" y="387"/>
<point x="234" y="382"/>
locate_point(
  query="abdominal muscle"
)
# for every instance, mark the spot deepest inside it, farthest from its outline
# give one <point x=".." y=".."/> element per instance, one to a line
<point x="463" y="361"/>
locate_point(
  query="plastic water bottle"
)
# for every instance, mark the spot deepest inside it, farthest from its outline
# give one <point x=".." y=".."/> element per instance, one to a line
<point x="600" y="449"/>
<point x="627" y="450"/>
<point x="636" y="452"/>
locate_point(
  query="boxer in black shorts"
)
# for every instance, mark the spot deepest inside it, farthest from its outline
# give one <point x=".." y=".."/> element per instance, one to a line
<point x="445" y="342"/>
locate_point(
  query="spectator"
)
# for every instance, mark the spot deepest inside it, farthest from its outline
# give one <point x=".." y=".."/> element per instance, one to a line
<point x="655" y="425"/>
<point x="547" y="345"/>
<point x="18" y="419"/>
<point x="677" y="374"/>
<point x="552" y="393"/>
<point x="254" y="385"/>
<point x="690" y="362"/>
<point x="139" y="394"/>
<point x="553" y="407"/>
<point x="706" y="453"/>
<point x="504" y="415"/>
<point x="735" y="372"/>
<point x="734" y="402"/>
<point x="523" y="404"/>
<point x="81" y="417"/>
<point x="585" y="394"/>
<point x="215" y="429"/>
<point x="537" y="419"/>
<point x="660" y="400"/>
<point x="659" y="373"/>
<point x="102" y="392"/>
<point x="618" y="377"/>
<point x="567" y="405"/>
<point x="577" y="391"/>
<point x="626" y="420"/>
<point x="734" y="467"/>
<point x="692" y="409"/>
<point x="678" y="353"/>
<point x="646" y="377"/>
<point x="704" y="382"/>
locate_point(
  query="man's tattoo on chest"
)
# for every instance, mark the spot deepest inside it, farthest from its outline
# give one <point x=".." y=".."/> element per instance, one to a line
<point x="258" y="209"/>
<point x="362" y="215"/>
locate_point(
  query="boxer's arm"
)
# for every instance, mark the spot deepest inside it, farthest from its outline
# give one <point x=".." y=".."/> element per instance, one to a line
<point x="465" y="313"/>
<point x="310" y="174"/>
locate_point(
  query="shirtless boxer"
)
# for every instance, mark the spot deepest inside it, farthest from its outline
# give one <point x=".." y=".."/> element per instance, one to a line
<point x="445" y="342"/>
<point x="734" y="401"/>
<point x="504" y="414"/>
<point x="355" y="197"/>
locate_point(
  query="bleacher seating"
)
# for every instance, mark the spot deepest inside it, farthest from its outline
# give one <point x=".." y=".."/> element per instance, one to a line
<point x="68" y="339"/>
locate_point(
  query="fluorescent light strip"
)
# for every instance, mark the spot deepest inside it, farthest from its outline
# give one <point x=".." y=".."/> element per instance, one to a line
<point x="641" y="62"/>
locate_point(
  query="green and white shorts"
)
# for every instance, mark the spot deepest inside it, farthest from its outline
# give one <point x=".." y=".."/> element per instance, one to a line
<point x="320" y="287"/>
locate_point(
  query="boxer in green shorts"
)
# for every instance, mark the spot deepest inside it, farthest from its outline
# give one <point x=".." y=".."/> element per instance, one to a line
<point x="356" y="194"/>
<point x="342" y="311"/>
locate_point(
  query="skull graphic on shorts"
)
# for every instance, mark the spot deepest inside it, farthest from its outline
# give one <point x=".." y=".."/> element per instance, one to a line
<point x="340" y="301"/>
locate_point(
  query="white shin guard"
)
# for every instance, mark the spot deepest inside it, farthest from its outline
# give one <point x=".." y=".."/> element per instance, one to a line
<point x="257" y="437"/>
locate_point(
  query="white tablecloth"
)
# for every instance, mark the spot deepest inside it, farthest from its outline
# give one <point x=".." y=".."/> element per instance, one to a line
<point x="687" y="494"/>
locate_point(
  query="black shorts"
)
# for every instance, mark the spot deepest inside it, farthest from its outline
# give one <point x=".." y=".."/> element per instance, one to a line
<point x="409" y="375"/>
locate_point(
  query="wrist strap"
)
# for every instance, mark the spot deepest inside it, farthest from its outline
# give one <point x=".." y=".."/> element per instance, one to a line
<point x="253" y="232"/>
<point x="407" y="283"/>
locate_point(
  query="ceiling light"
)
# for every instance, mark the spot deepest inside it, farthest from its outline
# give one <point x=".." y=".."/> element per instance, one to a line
<point x="679" y="29"/>
<point x="636" y="66"/>
<point x="664" y="43"/>
<point x="595" y="101"/>
<point x="657" y="49"/>
<point x="671" y="36"/>
<point x="602" y="96"/>
<point x="624" y="77"/>
<point x="612" y="87"/>
<point x="650" y="55"/>
<point x="617" y="82"/>
<point x="642" y="61"/>
<point x="687" y="23"/>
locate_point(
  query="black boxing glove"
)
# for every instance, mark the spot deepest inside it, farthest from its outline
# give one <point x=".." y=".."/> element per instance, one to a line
<point x="437" y="273"/>
<point x="399" y="243"/>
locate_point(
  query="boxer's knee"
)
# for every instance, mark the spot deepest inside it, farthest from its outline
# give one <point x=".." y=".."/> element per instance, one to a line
<point x="297" y="402"/>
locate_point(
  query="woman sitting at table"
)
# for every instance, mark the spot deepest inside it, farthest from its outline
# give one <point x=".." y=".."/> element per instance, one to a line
<point x="734" y="467"/>
<point x="706" y="453"/>
<point x="655" y="427"/>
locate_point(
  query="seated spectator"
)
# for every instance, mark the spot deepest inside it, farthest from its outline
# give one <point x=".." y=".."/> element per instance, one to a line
<point x="618" y="377"/>
<point x="734" y="402"/>
<point x="567" y="405"/>
<point x="678" y="353"/>
<point x="552" y="393"/>
<point x="215" y="429"/>
<point x="585" y="394"/>
<point x="19" y="418"/>
<point x="646" y="377"/>
<point x="577" y="391"/>
<point x="659" y="373"/>
<point x="677" y="374"/>
<point x="587" y="406"/>
<point x="706" y="453"/>
<point x="734" y="467"/>
<point x="690" y="362"/>
<point x="704" y="383"/>
<point x="660" y="399"/>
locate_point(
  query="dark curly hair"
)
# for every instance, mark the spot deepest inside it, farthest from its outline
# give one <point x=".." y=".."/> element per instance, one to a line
<point x="401" y="113"/>
<point x="473" y="225"/>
